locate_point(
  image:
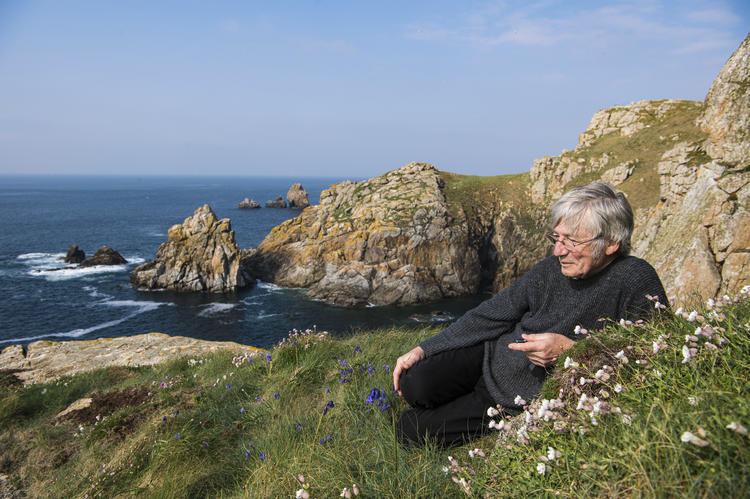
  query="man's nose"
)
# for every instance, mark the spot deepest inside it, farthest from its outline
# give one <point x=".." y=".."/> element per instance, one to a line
<point x="560" y="249"/>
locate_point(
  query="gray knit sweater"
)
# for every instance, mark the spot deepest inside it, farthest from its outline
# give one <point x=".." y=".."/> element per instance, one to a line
<point x="544" y="300"/>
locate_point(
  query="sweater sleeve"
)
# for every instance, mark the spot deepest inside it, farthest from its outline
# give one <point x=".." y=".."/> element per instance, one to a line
<point x="492" y="318"/>
<point x="643" y="283"/>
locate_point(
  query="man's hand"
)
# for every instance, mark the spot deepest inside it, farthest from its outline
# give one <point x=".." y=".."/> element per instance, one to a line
<point x="543" y="349"/>
<point x="405" y="362"/>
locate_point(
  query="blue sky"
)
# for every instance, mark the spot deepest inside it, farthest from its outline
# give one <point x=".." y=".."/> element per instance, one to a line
<point x="336" y="88"/>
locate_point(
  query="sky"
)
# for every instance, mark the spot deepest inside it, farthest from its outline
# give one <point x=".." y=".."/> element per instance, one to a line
<point x="336" y="88"/>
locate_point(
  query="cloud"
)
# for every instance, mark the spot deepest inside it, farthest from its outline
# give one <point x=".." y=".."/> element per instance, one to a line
<point x="550" y="23"/>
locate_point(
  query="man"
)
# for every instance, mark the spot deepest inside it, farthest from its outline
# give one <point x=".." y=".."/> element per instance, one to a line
<point x="503" y="347"/>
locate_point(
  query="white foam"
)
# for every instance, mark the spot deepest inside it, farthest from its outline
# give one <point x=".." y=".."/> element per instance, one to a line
<point x="215" y="308"/>
<point x="268" y="285"/>
<point x="143" y="306"/>
<point x="42" y="260"/>
<point x="134" y="260"/>
<point x="94" y="293"/>
<point x="263" y="315"/>
<point x="68" y="273"/>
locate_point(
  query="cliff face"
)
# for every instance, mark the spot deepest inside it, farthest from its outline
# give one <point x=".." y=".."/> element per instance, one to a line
<point x="200" y="255"/>
<point x="387" y="240"/>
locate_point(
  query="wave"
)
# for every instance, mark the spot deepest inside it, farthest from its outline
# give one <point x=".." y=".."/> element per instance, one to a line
<point x="142" y="306"/>
<point x="215" y="308"/>
<point x="268" y="285"/>
<point x="95" y="293"/>
<point x="68" y="273"/>
<point x="263" y="315"/>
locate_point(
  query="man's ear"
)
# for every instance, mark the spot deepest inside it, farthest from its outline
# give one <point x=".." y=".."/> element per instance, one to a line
<point x="612" y="247"/>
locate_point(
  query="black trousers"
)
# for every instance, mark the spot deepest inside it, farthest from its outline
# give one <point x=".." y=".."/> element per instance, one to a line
<point x="448" y="398"/>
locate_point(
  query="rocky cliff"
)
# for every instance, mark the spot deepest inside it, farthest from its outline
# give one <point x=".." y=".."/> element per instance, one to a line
<point x="387" y="240"/>
<point x="200" y="255"/>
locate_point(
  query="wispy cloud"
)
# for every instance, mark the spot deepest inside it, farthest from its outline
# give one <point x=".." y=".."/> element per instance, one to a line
<point x="550" y="23"/>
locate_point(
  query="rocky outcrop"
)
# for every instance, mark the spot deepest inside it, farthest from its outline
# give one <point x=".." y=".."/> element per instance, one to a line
<point x="248" y="204"/>
<point x="104" y="256"/>
<point x="297" y="197"/>
<point x="200" y="255"/>
<point x="387" y="240"/>
<point x="277" y="203"/>
<point x="75" y="255"/>
<point x="46" y="360"/>
<point x="726" y="118"/>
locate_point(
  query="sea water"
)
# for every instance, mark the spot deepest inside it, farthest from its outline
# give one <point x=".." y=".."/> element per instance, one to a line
<point x="43" y="298"/>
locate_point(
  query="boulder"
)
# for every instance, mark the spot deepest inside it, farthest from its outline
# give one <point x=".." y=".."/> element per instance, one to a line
<point x="387" y="240"/>
<point x="75" y="255"/>
<point x="248" y="204"/>
<point x="104" y="256"/>
<point x="200" y="255"/>
<point x="297" y="197"/>
<point x="726" y="118"/>
<point x="277" y="203"/>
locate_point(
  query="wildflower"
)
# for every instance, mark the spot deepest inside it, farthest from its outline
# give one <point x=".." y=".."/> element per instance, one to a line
<point x="692" y="400"/>
<point x="693" y="316"/>
<point x="325" y="440"/>
<point x="247" y="452"/>
<point x="355" y="489"/>
<point x="302" y="494"/>
<point x="688" y="437"/>
<point x="357" y="349"/>
<point x="346" y="493"/>
<point x="163" y="419"/>
<point x="570" y="363"/>
<point x="228" y="387"/>
<point x="387" y="368"/>
<point x="177" y="436"/>
<point x="492" y="412"/>
<point x="329" y="405"/>
<point x="658" y="373"/>
<point x="582" y="401"/>
<point x="497" y="426"/>
<point x="685" y="354"/>
<point x="736" y="427"/>
<point x="257" y="399"/>
<point x="618" y="388"/>
<point x="328" y="389"/>
<point x="553" y="454"/>
<point x="262" y="456"/>
<point x="519" y="401"/>
<point x="298" y="426"/>
<point x="242" y="410"/>
<point x="476" y="452"/>
<point x="204" y="443"/>
<point x="710" y="303"/>
<point x="541" y="468"/>
<point x="621" y="356"/>
<point x="275" y="396"/>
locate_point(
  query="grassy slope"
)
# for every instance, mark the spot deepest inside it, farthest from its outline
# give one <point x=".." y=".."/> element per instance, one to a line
<point x="200" y="434"/>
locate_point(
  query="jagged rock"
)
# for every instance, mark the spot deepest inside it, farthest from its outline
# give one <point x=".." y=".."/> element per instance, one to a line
<point x="297" y="197"/>
<point x="277" y="203"/>
<point x="13" y="357"/>
<point x="75" y="255"/>
<point x="726" y="118"/>
<point x="78" y="405"/>
<point x="47" y="360"/>
<point x="248" y="204"/>
<point x="200" y="255"/>
<point x="387" y="240"/>
<point x="104" y="256"/>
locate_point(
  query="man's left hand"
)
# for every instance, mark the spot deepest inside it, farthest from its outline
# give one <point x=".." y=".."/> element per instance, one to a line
<point x="543" y="349"/>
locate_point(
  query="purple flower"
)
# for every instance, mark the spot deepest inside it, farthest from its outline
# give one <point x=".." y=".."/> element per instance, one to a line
<point x="329" y="405"/>
<point x="387" y="368"/>
<point x="377" y="396"/>
<point x="257" y="399"/>
<point x="242" y="410"/>
<point x="324" y="441"/>
<point x="298" y="426"/>
<point x="357" y="349"/>
<point x="268" y="357"/>
<point x="204" y="443"/>
<point x="247" y="452"/>
<point x="228" y="387"/>
<point x="164" y="419"/>
<point x="177" y="435"/>
<point x="262" y="456"/>
<point x="275" y="395"/>
<point x="200" y="394"/>
<point x="328" y="389"/>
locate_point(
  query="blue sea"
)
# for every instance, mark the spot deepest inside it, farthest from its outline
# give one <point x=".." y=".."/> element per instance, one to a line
<point x="42" y="216"/>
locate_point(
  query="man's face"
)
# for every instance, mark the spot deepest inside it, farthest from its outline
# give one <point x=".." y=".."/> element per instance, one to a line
<point x="579" y="262"/>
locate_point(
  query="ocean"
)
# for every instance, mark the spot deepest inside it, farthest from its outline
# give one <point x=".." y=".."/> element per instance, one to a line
<point x="42" y="216"/>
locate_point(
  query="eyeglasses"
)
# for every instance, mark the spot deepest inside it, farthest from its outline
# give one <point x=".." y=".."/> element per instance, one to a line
<point x="569" y="244"/>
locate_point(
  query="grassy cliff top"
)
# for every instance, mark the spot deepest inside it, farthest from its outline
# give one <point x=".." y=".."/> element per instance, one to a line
<point x="635" y="410"/>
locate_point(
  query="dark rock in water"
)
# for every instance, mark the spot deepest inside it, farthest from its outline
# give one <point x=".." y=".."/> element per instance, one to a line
<point x="278" y="203"/>
<point x="434" y="316"/>
<point x="104" y="256"/>
<point x="248" y="204"/>
<point x="75" y="255"/>
<point x="297" y="197"/>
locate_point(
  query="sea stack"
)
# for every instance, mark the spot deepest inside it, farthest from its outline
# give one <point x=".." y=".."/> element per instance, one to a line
<point x="200" y="255"/>
<point x="297" y="197"/>
<point x="104" y="256"/>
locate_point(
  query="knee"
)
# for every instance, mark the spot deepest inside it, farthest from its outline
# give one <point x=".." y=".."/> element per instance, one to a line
<point x="417" y="389"/>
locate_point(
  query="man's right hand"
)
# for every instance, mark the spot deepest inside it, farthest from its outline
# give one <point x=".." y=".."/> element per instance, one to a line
<point x="405" y="362"/>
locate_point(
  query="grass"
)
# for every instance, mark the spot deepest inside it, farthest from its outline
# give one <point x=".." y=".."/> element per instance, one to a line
<point x="220" y="426"/>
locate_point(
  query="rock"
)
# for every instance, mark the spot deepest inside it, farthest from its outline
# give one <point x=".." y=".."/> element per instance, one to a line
<point x="78" y="405"/>
<point x="248" y="204"/>
<point x="13" y="357"/>
<point x="277" y="203"/>
<point x="297" y="197"/>
<point x="726" y="118"/>
<point x="104" y="256"/>
<point x="387" y="240"/>
<point x="200" y="255"/>
<point x="75" y="255"/>
<point x="47" y="360"/>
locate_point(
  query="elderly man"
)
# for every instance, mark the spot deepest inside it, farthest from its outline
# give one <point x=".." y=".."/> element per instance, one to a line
<point x="504" y="347"/>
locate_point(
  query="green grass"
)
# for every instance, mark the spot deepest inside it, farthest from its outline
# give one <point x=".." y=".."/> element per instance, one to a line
<point x="195" y="428"/>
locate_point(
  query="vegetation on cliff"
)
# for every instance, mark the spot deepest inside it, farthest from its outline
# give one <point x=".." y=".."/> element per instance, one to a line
<point x="633" y="410"/>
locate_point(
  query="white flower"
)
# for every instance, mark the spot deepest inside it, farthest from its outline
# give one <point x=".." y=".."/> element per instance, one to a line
<point x="678" y="311"/>
<point x="621" y="356"/>
<point x="584" y="398"/>
<point x="346" y="493"/>
<point x="519" y="401"/>
<point x="685" y="354"/>
<point x="302" y="494"/>
<point x="541" y="468"/>
<point x="446" y="470"/>
<point x="693" y="400"/>
<point x="710" y="303"/>
<point x="492" y="412"/>
<point x="497" y="426"/>
<point x="658" y="373"/>
<point x="553" y="454"/>
<point x="476" y="452"/>
<point x="577" y="330"/>
<point x="570" y="363"/>
<point x="582" y="381"/>
<point x="688" y="437"/>
<point x="618" y="388"/>
<point x="627" y="419"/>
<point x="737" y="428"/>
<point x="693" y="316"/>
<point x="622" y="322"/>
